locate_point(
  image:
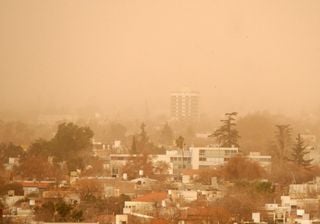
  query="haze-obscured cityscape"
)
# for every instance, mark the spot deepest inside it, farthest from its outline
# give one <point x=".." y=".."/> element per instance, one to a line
<point x="160" y="112"/>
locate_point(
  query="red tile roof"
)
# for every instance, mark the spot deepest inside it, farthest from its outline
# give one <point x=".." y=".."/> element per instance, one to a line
<point x="35" y="184"/>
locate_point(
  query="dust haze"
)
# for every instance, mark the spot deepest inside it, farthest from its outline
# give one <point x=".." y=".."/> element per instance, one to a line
<point x="127" y="56"/>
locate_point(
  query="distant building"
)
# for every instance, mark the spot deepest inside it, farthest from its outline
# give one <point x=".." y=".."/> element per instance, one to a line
<point x="117" y="161"/>
<point x="196" y="157"/>
<point x="185" y="105"/>
<point x="263" y="160"/>
<point x="145" y="204"/>
<point x="205" y="157"/>
<point x="177" y="159"/>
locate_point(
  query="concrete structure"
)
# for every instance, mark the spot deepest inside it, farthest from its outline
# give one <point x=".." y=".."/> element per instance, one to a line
<point x="263" y="160"/>
<point x="187" y="195"/>
<point x="175" y="158"/>
<point x="117" y="161"/>
<point x="185" y="105"/>
<point x="196" y="157"/>
<point x="145" y="204"/>
<point x="121" y="219"/>
<point x="204" y="157"/>
<point x="303" y="190"/>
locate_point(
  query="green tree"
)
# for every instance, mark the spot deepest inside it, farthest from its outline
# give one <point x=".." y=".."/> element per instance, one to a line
<point x="299" y="151"/>
<point x="227" y="135"/>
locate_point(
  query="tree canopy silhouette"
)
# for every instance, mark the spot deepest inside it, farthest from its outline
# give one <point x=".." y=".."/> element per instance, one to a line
<point x="227" y="135"/>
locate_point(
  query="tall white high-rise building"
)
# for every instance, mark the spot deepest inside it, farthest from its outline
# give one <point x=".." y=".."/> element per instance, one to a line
<point x="185" y="105"/>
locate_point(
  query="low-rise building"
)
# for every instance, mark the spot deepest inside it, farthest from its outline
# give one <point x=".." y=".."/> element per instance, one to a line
<point x="263" y="160"/>
<point x="204" y="157"/>
<point x="145" y="204"/>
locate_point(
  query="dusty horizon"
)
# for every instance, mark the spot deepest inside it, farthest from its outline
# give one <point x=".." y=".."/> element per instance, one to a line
<point x="129" y="55"/>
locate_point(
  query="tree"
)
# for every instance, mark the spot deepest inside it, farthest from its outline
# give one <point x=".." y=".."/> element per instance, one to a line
<point x="166" y="135"/>
<point x="63" y="211"/>
<point x="161" y="167"/>
<point x="5" y="187"/>
<point x="10" y="150"/>
<point x="242" y="168"/>
<point x="134" y="145"/>
<point x="291" y="173"/>
<point x="180" y="144"/>
<point x="143" y="139"/>
<point x="94" y="167"/>
<point x="45" y="212"/>
<point x="144" y="145"/>
<point x="205" y="175"/>
<point x="71" y="143"/>
<point x="90" y="189"/>
<point x="227" y="135"/>
<point x="114" y="205"/>
<point x="77" y="215"/>
<point x="257" y="131"/>
<point x="282" y="143"/>
<point x="58" y="211"/>
<point x="39" y="147"/>
<point x="71" y="139"/>
<point x="37" y="167"/>
<point x="298" y="153"/>
<point x="215" y="214"/>
<point x="115" y="131"/>
<point x="15" y="131"/>
<point x="136" y="163"/>
<point x="104" y="206"/>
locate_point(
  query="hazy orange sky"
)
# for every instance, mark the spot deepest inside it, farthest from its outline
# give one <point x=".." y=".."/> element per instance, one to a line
<point x="240" y="55"/>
